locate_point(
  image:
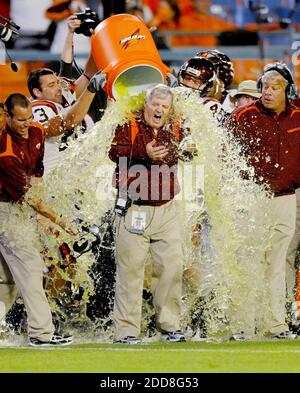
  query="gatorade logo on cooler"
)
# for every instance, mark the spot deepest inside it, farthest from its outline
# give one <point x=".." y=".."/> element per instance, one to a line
<point x="125" y="42"/>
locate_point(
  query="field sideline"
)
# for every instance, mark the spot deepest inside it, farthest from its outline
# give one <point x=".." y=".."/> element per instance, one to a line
<point x="190" y="357"/>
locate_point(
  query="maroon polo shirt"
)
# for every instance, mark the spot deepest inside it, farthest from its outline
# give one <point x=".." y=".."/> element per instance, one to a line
<point x="20" y="159"/>
<point x="271" y="144"/>
<point x="158" y="179"/>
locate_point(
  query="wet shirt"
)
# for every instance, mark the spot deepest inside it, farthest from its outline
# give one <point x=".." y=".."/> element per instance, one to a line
<point x="271" y="144"/>
<point x="149" y="182"/>
<point x="43" y="110"/>
<point x="20" y="159"/>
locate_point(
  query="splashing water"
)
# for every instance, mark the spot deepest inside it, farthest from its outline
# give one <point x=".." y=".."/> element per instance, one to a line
<point x="239" y="220"/>
<point x="226" y="271"/>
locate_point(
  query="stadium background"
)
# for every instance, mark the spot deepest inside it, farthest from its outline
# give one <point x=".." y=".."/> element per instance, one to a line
<point x="265" y="31"/>
<point x="272" y="43"/>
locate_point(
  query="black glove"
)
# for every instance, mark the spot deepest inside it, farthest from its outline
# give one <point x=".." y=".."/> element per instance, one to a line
<point x="97" y="82"/>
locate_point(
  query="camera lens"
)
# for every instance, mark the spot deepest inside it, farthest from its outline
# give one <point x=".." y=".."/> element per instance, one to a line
<point x="7" y="35"/>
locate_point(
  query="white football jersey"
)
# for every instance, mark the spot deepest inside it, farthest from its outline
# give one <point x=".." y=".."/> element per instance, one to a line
<point x="215" y="107"/>
<point x="43" y="110"/>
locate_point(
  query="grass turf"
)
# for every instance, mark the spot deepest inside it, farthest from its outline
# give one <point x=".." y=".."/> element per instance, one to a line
<point x="190" y="357"/>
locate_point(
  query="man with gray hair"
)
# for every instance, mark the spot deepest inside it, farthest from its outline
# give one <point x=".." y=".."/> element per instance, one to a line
<point x="269" y="131"/>
<point x="146" y="152"/>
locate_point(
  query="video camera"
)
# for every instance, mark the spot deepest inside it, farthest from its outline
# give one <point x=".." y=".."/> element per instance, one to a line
<point x="89" y="20"/>
<point x="123" y="203"/>
<point x="8" y="31"/>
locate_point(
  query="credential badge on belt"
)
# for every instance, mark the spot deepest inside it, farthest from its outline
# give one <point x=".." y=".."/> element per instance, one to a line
<point x="138" y="221"/>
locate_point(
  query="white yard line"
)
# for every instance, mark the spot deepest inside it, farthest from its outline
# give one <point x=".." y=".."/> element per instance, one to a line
<point x="115" y="349"/>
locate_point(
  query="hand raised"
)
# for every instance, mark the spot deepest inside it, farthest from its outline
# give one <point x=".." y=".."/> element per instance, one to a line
<point x="156" y="152"/>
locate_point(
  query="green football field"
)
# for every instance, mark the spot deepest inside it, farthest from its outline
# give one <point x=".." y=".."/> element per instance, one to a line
<point x="193" y="357"/>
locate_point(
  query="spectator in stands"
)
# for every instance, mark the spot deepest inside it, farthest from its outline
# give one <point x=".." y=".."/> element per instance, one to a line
<point x="164" y="14"/>
<point x="134" y="8"/>
<point x="152" y="223"/>
<point x="21" y="165"/>
<point x="199" y="19"/>
<point x="246" y="93"/>
<point x="112" y="7"/>
<point x="36" y="30"/>
<point x="267" y="130"/>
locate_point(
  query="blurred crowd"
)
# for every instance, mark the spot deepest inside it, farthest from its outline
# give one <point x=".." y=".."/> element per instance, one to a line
<point x="47" y="22"/>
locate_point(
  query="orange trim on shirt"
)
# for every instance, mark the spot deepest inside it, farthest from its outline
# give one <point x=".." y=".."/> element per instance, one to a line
<point x="176" y="130"/>
<point x="293" y="129"/>
<point x="9" y="149"/>
<point x="295" y="111"/>
<point x="135" y="130"/>
<point x="59" y="14"/>
<point x="248" y="108"/>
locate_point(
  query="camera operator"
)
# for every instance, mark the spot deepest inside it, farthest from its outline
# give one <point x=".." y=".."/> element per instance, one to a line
<point x="59" y="12"/>
<point x="99" y="102"/>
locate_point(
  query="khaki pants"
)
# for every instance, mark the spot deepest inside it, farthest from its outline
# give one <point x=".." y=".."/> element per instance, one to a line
<point x="26" y="268"/>
<point x="162" y="238"/>
<point x="284" y="211"/>
<point x="291" y="255"/>
<point x="8" y="290"/>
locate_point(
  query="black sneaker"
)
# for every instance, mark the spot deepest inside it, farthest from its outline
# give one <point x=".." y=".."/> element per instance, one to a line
<point x="173" y="337"/>
<point x="238" y="337"/>
<point x="287" y="335"/>
<point x="55" y="341"/>
<point x="128" y="340"/>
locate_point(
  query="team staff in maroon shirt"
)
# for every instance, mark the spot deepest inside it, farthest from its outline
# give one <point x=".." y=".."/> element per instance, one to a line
<point x="269" y="131"/>
<point x="152" y="224"/>
<point x="21" y="163"/>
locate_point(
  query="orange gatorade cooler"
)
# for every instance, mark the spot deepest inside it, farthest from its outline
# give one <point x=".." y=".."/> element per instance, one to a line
<point x="123" y="48"/>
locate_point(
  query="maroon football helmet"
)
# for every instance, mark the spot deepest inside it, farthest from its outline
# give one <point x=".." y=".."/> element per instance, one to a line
<point x="223" y="64"/>
<point x="200" y="69"/>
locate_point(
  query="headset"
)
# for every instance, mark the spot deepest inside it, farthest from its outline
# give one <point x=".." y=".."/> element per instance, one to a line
<point x="283" y="70"/>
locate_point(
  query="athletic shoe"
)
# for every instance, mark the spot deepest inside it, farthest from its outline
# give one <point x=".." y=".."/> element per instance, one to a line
<point x="56" y="340"/>
<point x="287" y="335"/>
<point x="128" y="340"/>
<point x="238" y="337"/>
<point x="173" y="337"/>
